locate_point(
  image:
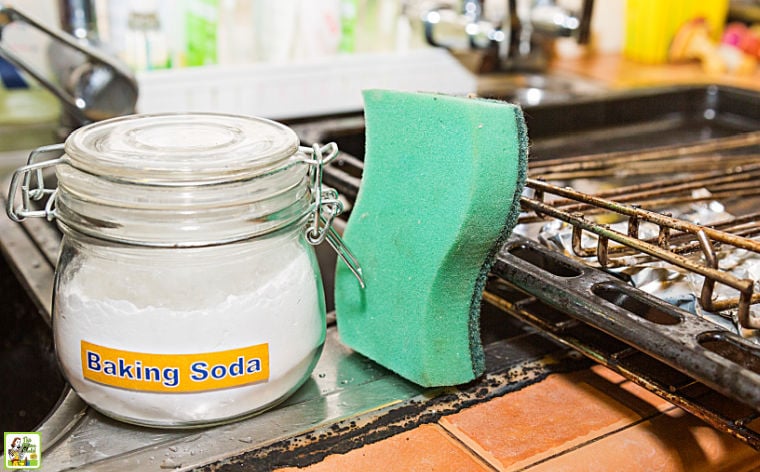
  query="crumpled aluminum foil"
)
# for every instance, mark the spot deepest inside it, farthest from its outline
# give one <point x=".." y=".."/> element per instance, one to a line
<point x="672" y="284"/>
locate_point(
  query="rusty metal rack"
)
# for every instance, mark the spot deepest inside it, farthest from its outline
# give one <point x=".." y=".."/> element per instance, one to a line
<point x="692" y="362"/>
<point x="706" y="236"/>
<point x="673" y="353"/>
<point x="681" y="171"/>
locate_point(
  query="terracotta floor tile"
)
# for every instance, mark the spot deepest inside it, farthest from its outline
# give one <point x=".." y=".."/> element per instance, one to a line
<point x="545" y="418"/>
<point x="608" y="374"/>
<point x="625" y="388"/>
<point x="426" y="448"/>
<point x="672" y="442"/>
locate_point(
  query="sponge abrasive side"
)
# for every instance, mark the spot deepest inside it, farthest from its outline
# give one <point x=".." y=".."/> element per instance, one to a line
<point x="439" y="194"/>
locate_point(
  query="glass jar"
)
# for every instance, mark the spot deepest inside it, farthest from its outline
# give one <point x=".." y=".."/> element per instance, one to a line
<point x="186" y="292"/>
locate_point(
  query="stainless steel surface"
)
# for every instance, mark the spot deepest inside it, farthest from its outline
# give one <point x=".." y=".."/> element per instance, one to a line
<point x="34" y="267"/>
<point x="63" y="418"/>
<point x="343" y="385"/>
<point x="31" y="382"/>
<point x="93" y="85"/>
<point x="531" y="89"/>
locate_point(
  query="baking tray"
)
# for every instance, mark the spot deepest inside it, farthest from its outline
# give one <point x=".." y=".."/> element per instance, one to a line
<point x="613" y="121"/>
<point x="641" y="119"/>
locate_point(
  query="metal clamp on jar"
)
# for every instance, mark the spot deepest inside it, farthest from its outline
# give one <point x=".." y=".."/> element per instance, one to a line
<point x="186" y="291"/>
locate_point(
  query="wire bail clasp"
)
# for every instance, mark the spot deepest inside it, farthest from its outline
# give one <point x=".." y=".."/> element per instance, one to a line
<point x="327" y="206"/>
<point x="28" y="181"/>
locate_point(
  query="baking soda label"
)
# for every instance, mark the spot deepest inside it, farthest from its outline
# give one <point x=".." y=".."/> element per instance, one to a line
<point x="175" y="373"/>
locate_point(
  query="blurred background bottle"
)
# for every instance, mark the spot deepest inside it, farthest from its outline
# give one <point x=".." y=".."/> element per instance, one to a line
<point x="652" y="24"/>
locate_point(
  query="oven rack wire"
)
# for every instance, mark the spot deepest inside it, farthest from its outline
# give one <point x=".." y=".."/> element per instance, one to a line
<point x="708" y="371"/>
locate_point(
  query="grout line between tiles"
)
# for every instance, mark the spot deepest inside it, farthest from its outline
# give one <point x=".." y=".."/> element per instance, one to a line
<point x="598" y="438"/>
<point x="482" y="460"/>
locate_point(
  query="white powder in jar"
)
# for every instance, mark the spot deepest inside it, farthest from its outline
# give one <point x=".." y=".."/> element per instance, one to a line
<point x="192" y="302"/>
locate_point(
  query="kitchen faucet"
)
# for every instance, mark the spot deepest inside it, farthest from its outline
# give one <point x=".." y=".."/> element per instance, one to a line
<point x="514" y="40"/>
<point x="90" y="85"/>
<point x="78" y="18"/>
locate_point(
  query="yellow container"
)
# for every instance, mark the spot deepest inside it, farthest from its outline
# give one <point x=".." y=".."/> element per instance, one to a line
<point x="652" y="24"/>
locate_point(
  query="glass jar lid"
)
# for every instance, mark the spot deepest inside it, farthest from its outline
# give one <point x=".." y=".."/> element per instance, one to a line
<point x="181" y="149"/>
<point x="183" y="180"/>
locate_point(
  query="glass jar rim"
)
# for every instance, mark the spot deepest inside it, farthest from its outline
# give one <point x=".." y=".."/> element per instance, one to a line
<point x="181" y="149"/>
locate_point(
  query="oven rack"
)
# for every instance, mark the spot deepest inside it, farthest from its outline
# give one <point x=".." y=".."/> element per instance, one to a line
<point x="689" y="237"/>
<point x="693" y="363"/>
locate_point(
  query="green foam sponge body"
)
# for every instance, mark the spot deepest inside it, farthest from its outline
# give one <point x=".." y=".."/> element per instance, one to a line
<point x="440" y="192"/>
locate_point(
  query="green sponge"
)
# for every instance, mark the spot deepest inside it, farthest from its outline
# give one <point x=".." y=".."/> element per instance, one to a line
<point x="440" y="193"/>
